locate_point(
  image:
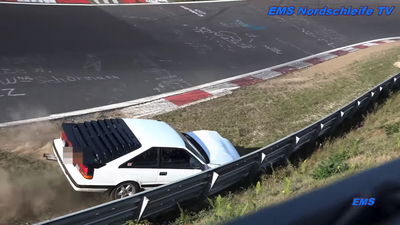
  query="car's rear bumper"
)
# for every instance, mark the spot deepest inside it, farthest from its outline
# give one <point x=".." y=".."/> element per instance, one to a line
<point x="57" y="149"/>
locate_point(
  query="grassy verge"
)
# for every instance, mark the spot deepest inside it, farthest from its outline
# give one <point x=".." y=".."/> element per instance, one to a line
<point x="376" y="142"/>
<point x="258" y="115"/>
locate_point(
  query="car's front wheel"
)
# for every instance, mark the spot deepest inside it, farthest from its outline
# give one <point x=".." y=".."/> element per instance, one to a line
<point x="124" y="190"/>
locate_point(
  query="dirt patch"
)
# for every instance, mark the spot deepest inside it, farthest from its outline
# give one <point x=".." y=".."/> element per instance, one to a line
<point x="32" y="190"/>
<point x="29" y="139"/>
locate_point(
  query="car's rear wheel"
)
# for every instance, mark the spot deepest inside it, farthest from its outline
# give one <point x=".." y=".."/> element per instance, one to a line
<point x="123" y="190"/>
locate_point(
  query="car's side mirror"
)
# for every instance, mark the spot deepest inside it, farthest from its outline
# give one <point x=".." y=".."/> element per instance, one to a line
<point x="203" y="167"/>
<point x="195" y="164"/>
<point x="206" y="167"/>
<point x="200" y="166"/>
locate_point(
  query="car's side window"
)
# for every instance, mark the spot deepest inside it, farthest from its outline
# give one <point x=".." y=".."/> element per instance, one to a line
<point x="177" y="159"/>
<point x="148" y="159"/>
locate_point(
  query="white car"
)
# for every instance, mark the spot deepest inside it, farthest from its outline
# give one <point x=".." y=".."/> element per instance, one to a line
<point x="124" y="156"/>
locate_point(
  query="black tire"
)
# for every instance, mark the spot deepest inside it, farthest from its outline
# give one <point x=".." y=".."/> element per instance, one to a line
<point x="123" y="190"/>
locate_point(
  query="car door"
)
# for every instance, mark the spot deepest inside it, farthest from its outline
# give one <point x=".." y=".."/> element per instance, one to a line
<point x="142" y="168"/>
<point x="176" y="164"/>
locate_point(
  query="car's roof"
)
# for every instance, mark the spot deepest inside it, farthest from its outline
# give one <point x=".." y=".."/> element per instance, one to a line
<point x="153" y="133"/>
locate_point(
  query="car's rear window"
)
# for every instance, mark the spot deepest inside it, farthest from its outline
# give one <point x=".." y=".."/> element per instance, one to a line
<point x="101" y="141"/>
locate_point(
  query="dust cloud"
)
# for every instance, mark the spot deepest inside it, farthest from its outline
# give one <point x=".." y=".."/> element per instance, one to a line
<point x="31" y="188"/>
<point x="38" y="193"/>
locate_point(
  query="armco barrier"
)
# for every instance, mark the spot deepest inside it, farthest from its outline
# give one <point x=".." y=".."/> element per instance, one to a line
<point x="233" y="172"/>
<point x="153" y="202"/>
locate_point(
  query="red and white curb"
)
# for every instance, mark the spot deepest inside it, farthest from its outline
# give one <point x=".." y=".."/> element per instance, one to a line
<point x="173" y="102"/>
<point x="167" y="102"/>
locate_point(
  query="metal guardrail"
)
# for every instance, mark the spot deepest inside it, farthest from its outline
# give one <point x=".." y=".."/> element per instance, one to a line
<point x="163" y="198"/>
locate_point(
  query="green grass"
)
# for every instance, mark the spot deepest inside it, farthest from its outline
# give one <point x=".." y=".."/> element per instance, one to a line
<point x="258" y="115"/>
<point x="335" y="164"/>
<point x="360" y="149"/>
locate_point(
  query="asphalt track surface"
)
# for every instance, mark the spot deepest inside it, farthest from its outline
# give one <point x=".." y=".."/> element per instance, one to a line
<point x="56" y="59"/>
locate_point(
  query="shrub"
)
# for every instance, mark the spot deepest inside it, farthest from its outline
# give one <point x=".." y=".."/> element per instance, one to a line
<point x="392" y="128"/>
<point x="333" y="165"/>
